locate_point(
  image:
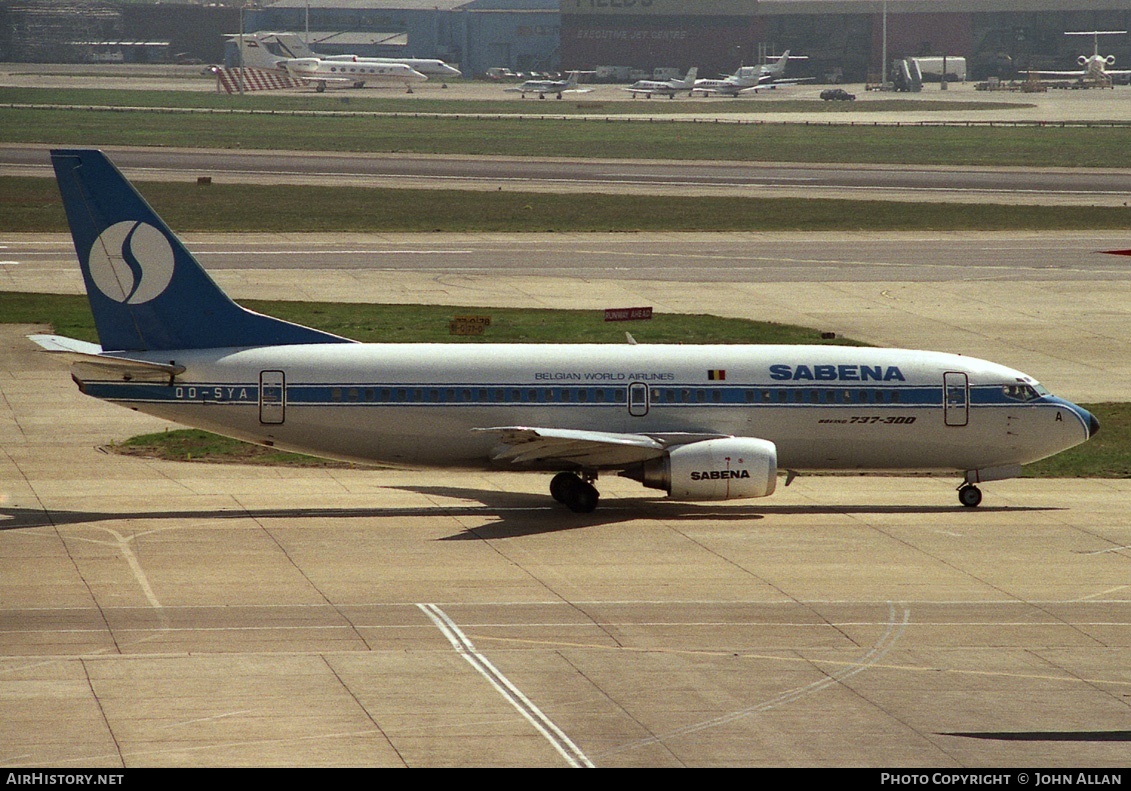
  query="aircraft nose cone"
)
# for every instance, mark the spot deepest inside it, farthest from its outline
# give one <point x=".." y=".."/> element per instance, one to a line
<point x="1093" y="425"/>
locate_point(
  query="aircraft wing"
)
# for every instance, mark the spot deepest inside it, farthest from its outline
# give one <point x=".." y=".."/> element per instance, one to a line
<point x="92" y="359"/>
<point x="558" y="448"/>
<point x="1077" y="73"/>
<point x="773" y="86"/>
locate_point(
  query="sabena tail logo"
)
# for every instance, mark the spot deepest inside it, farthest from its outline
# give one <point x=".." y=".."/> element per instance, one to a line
<point x="131" y="262"/>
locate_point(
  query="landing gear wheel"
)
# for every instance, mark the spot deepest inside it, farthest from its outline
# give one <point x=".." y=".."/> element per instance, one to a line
<point x="581" y="498"/>
<point x="577" y="495"/>
<point x="970" y="496"/>
<point x="560" y="483"/>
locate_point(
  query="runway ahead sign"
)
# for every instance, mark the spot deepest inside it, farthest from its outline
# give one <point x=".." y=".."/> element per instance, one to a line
<point x="628" y="314"/>
<point x="468" y="325"/>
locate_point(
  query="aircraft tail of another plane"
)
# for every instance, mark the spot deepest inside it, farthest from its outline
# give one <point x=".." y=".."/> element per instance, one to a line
<point x="777" y="68"/>
<point x="146" y="290"/>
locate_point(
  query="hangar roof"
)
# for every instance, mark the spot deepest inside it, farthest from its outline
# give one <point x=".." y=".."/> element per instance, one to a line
<point x="424" y="5"/>
<point x="777" y="7"/>
<point x="730" y="7"/>
<point x="374" y="5"/>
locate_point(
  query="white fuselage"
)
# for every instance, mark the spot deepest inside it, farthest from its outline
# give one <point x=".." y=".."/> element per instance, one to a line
<point x="652" y="87"/>
<point x="824" y="407"/>
<point x="426" y="66"/>
<point x="728" y="86"/>
<point x="667" y="88"/>
<point x="319" y="70"/>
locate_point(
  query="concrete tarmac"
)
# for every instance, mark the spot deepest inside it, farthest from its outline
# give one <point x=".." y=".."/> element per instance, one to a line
<point x="186" y="614"/>
<point x="183" y="614"/>
<point x="966" y="102"/>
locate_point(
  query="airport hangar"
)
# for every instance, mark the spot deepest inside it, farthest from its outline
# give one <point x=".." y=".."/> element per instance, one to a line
<point x="843" y="40"/>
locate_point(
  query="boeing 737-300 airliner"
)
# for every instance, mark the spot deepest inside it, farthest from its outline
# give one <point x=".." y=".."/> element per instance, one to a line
<point x="698" y="422"/>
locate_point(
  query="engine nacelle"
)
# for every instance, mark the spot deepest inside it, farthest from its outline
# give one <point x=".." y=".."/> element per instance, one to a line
<point x="1110" y="60"/>
<point x="729" y="468"/>
<point x="1082" y="60"/>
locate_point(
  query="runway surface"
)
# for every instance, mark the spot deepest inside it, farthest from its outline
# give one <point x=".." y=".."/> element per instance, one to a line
<point x="1052" y="305"/>
<point x="1043" y="186"/>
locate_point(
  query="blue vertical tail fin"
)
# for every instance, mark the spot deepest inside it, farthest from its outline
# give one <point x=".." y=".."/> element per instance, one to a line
<point x="146" y="290"/>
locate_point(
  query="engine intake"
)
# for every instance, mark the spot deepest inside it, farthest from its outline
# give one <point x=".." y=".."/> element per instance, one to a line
<point x="730" y="468"/>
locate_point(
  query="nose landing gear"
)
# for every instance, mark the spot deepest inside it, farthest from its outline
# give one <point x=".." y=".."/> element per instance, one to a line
<point x="969" y="495"/>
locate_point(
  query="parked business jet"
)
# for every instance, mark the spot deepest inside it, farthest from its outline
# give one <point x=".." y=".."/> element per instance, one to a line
<point x="264" y="50"/>
<point x="358" y="74"/>
<point x="429" y="67"/>
<point x="668" y="88"/>
<point x="1095" y="66"/>
<point x="751" y="79"/>
<point x="553" y="87"/>
<point x="698" y="422"/>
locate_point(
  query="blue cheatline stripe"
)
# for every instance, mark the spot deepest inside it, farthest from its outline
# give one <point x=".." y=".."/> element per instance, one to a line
<point x="674" y="396"/>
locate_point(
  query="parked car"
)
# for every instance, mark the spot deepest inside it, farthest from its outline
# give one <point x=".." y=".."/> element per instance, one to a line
<point x="837" y="94"/>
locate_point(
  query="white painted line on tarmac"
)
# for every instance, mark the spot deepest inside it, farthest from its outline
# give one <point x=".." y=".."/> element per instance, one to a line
<point x="899" y="617"/>
<point x="464" y="647"/>
<point x="330" y="252"/>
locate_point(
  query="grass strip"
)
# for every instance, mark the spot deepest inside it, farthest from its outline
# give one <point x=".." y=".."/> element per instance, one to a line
<point x="195" y="445"/>
<point x="427" y="101"/>
<point x="32" y="205"/>
<point x="641" y="138"/>
<point x="1107" y="455"/>
<point x="70" y="315"/>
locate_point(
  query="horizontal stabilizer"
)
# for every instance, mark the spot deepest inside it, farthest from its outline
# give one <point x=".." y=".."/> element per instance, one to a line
<point x="91" y="357"/>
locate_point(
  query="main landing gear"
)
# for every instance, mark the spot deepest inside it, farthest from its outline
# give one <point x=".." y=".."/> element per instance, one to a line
<point x="578" y="495"/>
<point x="969" y="495"/>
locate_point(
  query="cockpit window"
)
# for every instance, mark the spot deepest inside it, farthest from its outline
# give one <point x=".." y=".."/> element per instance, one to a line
<point x="1021" y="392"/>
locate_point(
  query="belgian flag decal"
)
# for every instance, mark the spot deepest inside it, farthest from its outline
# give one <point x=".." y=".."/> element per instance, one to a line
<point x="717" y="375"/>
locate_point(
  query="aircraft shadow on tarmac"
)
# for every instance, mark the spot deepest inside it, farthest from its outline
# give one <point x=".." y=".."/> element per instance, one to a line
<point x="1048" y="736"/>
<point x="515" y="517"/>
<point x="514" y="514"/>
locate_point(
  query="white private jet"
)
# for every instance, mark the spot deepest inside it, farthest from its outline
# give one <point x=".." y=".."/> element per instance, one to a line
<point x="1094" y="67"/>
<point x="429" y="67"/>
<point x="550" y="87"/>
<point x="357" y="74"/>
<point x="668" y="88"/>
<point x="264" y="50"/>
<point x="698" y="422"/>
<point x="751" y="79"/>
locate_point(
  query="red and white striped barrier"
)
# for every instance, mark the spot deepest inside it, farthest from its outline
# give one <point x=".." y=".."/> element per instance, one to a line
<point x="253" y="80"/>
